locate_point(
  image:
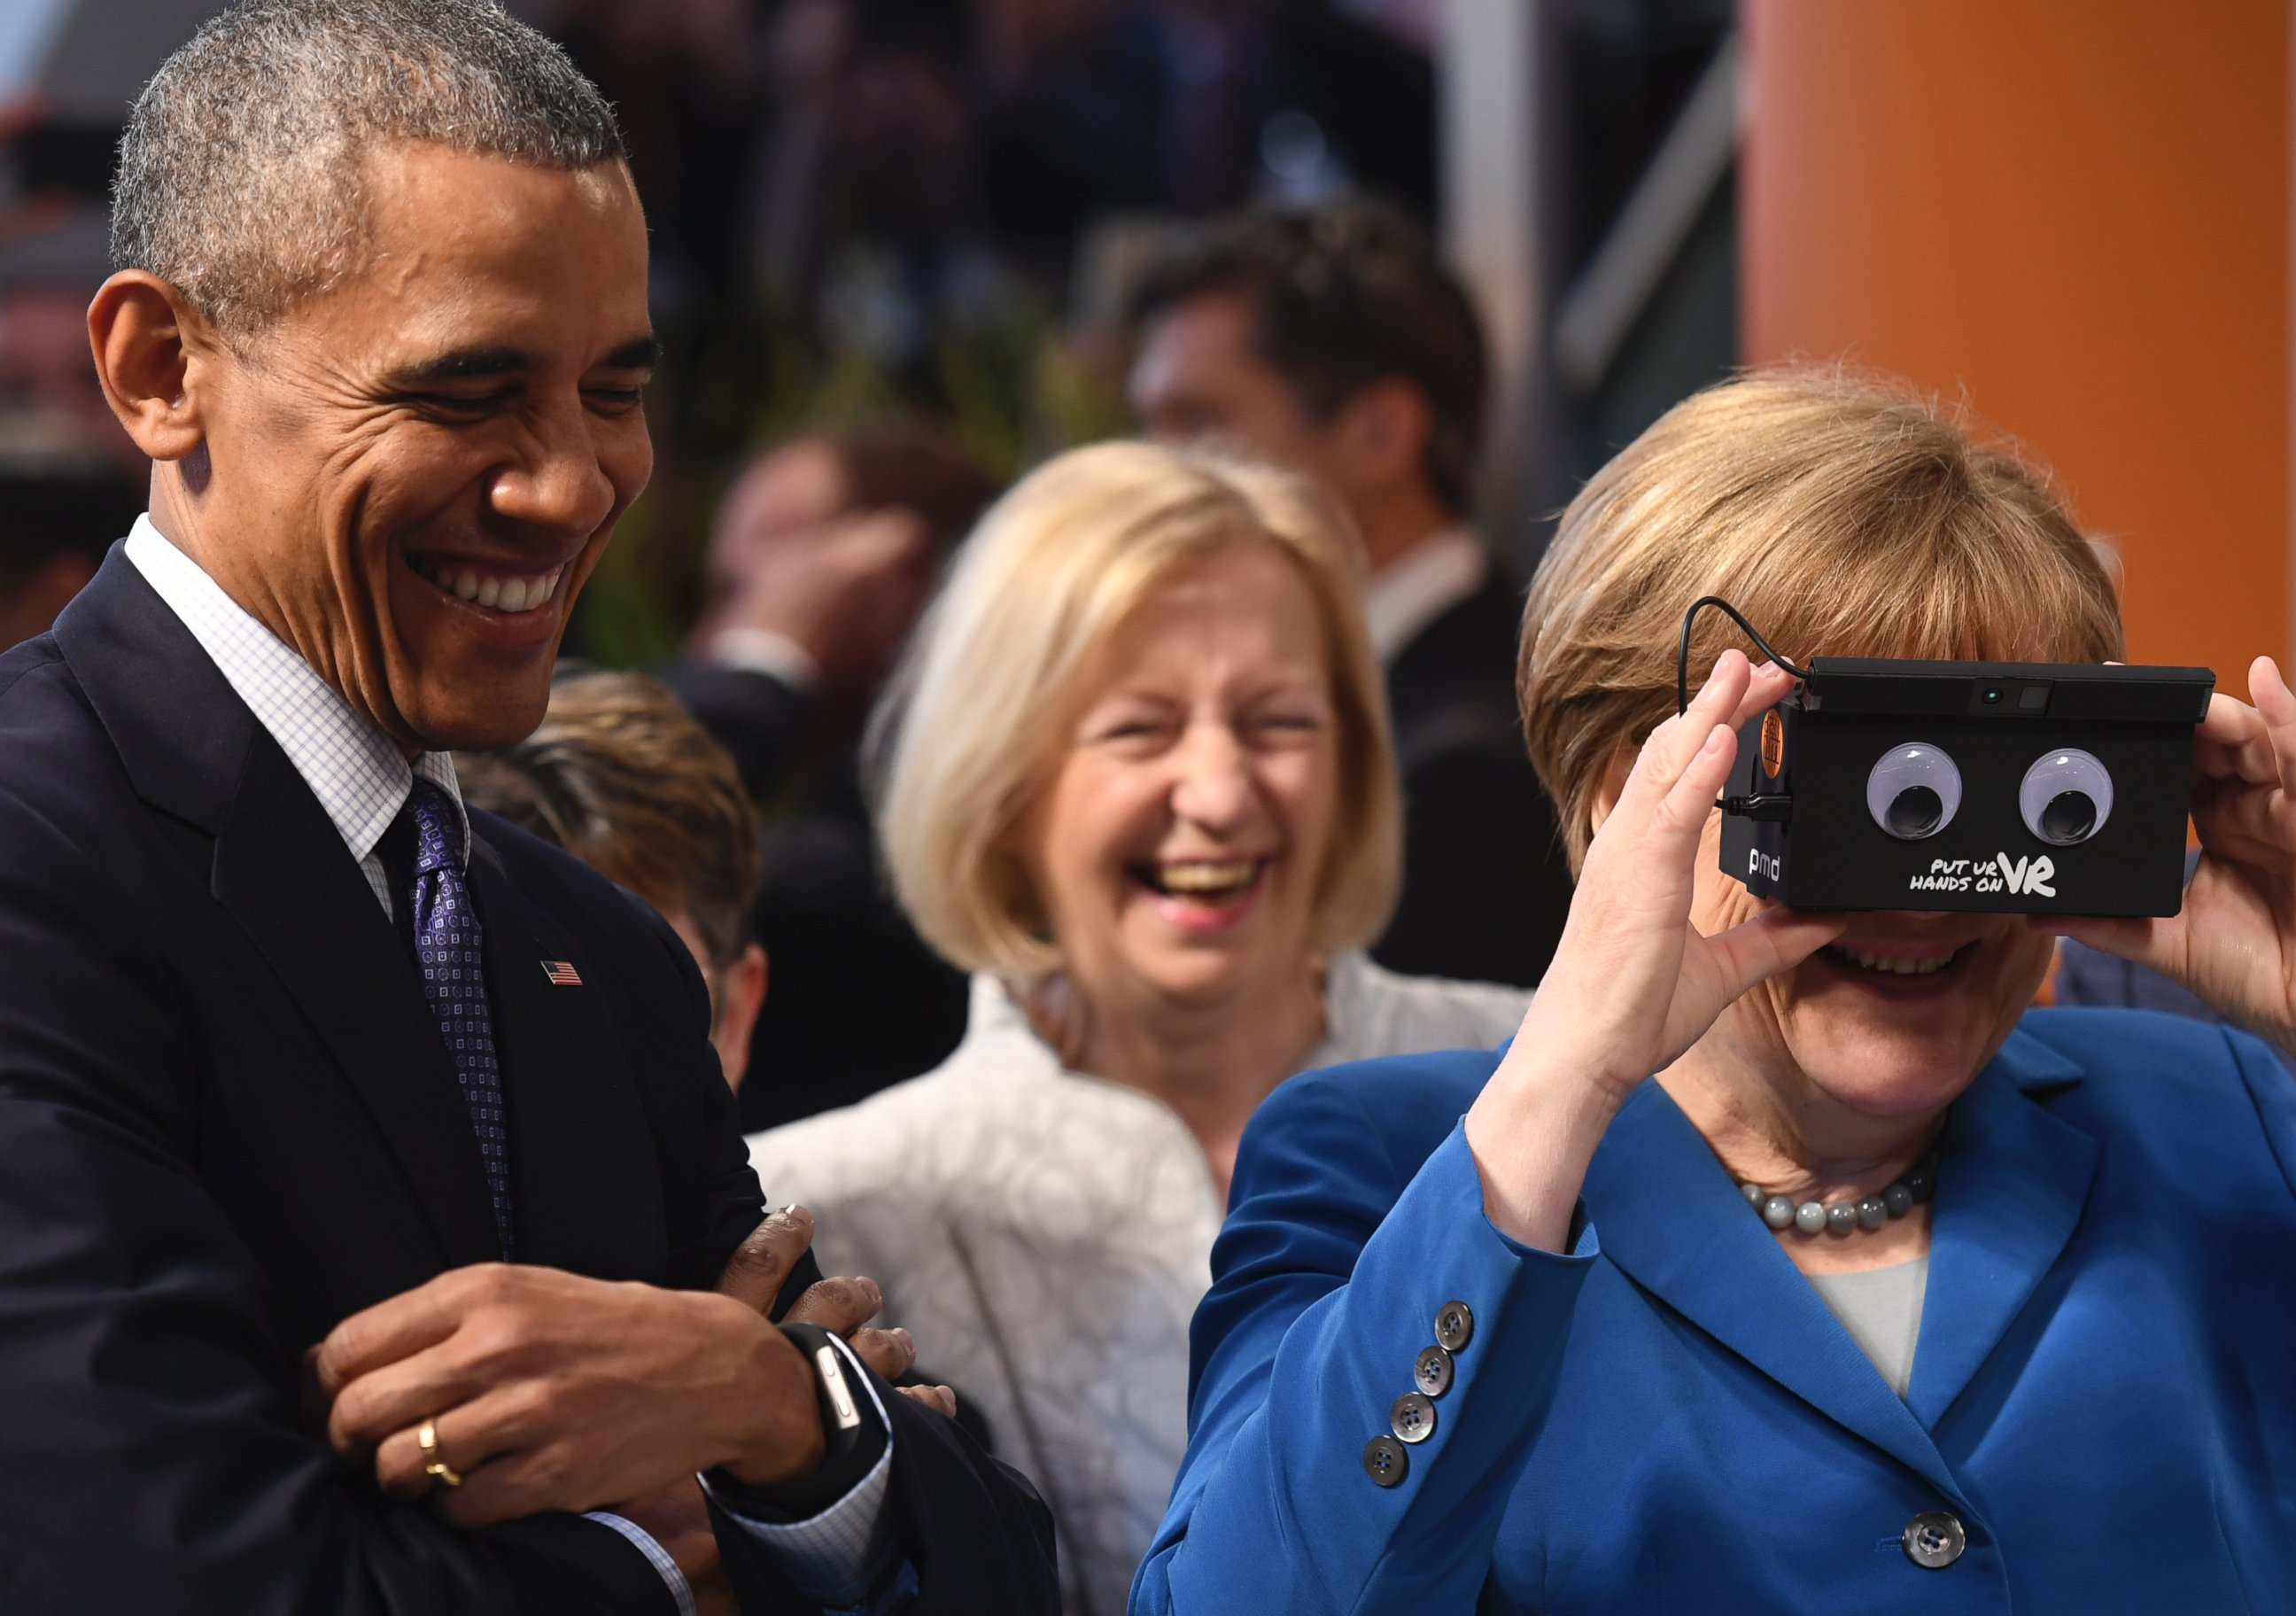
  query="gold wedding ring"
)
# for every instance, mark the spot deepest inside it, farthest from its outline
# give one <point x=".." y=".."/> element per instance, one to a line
<point x="426" y="1438"/>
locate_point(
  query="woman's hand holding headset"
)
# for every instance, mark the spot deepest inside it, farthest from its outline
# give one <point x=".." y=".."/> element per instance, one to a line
<point x="2234" y="943"/>
<point x="1632" y="983"/>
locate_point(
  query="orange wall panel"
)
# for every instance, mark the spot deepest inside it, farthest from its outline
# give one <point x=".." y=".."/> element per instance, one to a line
<point x="2074" y="215"/>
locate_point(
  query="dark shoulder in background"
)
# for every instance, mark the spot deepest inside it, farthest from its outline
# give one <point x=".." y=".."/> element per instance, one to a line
<point x="1486" y="885"/>
<point x="63" y="502"/>
<point x="858" y="1003"/>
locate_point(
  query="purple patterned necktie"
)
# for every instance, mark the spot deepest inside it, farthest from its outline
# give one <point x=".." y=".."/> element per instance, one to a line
<point x="421" y="853"/>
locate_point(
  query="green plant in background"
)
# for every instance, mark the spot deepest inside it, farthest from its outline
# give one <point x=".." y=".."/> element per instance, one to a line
<point x="1016" y="387"/>
<point x="627" y="617"/>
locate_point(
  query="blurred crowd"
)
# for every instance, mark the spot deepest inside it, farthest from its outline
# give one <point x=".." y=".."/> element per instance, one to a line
<point x="859" y="205"/>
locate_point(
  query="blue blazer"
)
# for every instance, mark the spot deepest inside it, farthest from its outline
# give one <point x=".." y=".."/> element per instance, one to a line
<point x="1669" y="1419"/>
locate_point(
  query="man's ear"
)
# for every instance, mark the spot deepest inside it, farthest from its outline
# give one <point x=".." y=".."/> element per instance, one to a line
<point x="151" y="351"/>
<point x="1382" y="432"/>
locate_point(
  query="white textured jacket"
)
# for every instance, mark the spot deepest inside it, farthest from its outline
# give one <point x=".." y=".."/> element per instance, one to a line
<point x="1046" y="1236"/>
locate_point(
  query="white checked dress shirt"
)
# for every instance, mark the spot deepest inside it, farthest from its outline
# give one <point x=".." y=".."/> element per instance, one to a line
<point x="361" y="780"/>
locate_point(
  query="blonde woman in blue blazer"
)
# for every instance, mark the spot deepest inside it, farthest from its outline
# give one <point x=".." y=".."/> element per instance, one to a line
<point x="1511" y="1331"/>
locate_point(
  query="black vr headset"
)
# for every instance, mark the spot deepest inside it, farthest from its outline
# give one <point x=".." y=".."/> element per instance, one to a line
<point x="2027" y="788"/>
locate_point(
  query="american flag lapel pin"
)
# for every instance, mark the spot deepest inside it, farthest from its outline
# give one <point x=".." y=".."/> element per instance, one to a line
<point x="562" y="973"/>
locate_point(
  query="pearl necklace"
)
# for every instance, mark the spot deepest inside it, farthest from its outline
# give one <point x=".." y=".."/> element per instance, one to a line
<point x="1846" y="1217"/>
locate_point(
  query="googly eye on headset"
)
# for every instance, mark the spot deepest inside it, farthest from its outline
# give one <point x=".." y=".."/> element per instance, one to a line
<point x="2066" y="797"/>
<point x="1914" y="791"/>
<point x="2008" y="787"/>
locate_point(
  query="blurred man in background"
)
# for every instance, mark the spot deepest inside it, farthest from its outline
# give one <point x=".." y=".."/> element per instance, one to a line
<point x="825" y="553"/>
<point x="622" y="778"/>
<point x="1332" y="342"/>
<point x="63" y="501"/>
<point x="51" y="260"/>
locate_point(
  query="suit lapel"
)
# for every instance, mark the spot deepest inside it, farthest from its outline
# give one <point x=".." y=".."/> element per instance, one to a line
<point x="582" y="1173"/>
<point x="182" y="731"/>
<point x="2012" y="1183"/>
<point x="282" y="872"/>
<point x="194" y="751"/>
<point x="1666" y="1213"/>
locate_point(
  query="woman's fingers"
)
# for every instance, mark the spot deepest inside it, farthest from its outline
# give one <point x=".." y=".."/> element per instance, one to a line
<point x="2140" y="939"/>
<point x="1689" y="802"/>
<point x="2233" y="744"/>
<point x="1765" y="688"/>
<point x="2163" y="943"/>
<point x="2275" y="709"/>
<point x="2244" y="802"/>
<point x="1769" y="944"/>
<point x="2247" y="825"/>
<point x="1674" y="745"/>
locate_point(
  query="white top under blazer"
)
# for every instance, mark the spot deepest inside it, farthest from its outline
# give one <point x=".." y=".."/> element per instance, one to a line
<point x="1046" y="1236"/>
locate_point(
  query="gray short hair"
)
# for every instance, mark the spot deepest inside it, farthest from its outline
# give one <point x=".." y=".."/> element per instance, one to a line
<point x="239" y="179"/>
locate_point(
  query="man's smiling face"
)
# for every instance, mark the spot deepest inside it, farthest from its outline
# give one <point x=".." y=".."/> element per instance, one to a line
<point x="409" y="476"/>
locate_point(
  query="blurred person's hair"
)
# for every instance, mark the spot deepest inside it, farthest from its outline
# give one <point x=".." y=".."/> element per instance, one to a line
<point x="620" y="776"/>
<point x="1341" y="297"/>
<point x="1845" y="518"/>
<point x="240" y="179"/>
<point x="60" y="493"/>
<point x="976" y="712"/>
<point x="912" y="464"/>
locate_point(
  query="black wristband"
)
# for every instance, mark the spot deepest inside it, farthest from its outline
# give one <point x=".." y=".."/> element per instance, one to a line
<point x="849" y="1422"/>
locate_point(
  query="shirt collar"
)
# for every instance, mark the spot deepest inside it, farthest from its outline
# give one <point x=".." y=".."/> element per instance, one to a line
<point x="1427" y="581"/>
<point x="356" y="771"/>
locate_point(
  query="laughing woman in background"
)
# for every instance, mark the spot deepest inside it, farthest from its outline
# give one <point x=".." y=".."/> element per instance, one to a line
<point x="1138" y="780"/>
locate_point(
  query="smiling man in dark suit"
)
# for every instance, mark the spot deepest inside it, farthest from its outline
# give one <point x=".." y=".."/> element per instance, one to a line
<point x="375" y="1232"/>
<point x="1333" y="340"/>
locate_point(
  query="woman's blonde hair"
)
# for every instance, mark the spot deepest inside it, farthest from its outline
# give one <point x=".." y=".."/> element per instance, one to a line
<point x="1842" y="517"/>
<point x="977" y="708"/>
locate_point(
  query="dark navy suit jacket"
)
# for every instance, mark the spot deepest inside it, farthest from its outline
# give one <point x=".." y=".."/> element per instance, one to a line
<point x="1670" y="1420"/>
<point x="227" y="1121"/>
<point x="1486" y="887"/>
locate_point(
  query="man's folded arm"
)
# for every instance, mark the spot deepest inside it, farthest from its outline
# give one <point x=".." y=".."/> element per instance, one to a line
<point x="154" y="1450"/>
<point x="939" y="1512"/>
<point x="938" y="1522"/>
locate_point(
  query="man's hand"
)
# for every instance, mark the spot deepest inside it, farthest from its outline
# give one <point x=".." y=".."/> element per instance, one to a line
<point x="846" y="591"/>
<point x="548" y="1390"/>
<point x="843" y="1306"/>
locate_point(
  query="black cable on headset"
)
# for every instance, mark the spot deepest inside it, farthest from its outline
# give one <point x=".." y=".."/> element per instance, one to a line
<point x="1682" y="657"/>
